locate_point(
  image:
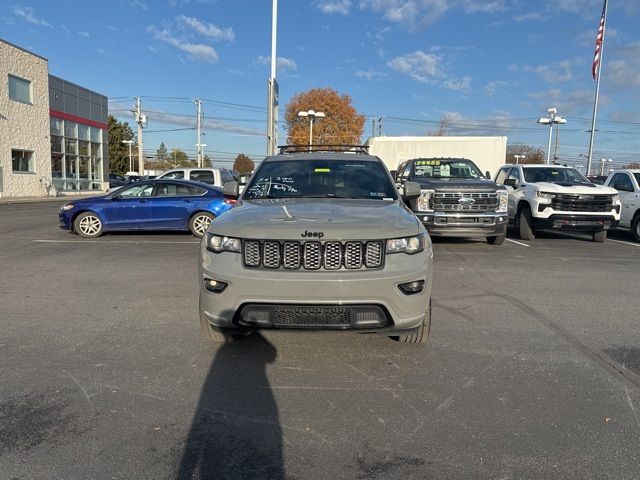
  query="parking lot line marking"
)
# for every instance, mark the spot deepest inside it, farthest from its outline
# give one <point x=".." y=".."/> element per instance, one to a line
<point x="622" y="241"/>
<point x="519" y="243"/>
<point x="107" y="242"/>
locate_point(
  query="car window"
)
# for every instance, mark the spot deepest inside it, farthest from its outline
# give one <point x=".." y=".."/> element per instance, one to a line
<point x="554" y="175"/>
<point x="205" y="176"/>
<point x="136" y="191"/>
<point x="622" y="179"/>
<point x="514" y="173"/>
<point x="178" y="190"/>
<point x="502" y="175"/>
<point x="445" y="168"/>
<point x="403" y="172"/>
<point x="225" y="176"/>
<point x="177" y="174"/>
<point x="637" y="175"/>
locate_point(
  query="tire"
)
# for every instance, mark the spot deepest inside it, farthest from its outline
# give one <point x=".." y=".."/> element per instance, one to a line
<point x="421" y="334"/>
<point x="88" y="225"/>
<point x="599" y="237"/>
<point x="219" y="335"/>
<point x="497" y="239"/>
<point x="199" y="223"/>
<point x="525" y="227"/>
<point x="635" y="228"/>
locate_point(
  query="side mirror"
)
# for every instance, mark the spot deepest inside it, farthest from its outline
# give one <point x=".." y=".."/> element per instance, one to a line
<point x="393" y="174"/>
<point x="511" y="182"/>
<point x="487" y="174"/>
<point x="411" y="190"/>
<point x="231" y="189"/>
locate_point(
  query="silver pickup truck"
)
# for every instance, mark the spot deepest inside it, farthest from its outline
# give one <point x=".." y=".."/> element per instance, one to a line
<point x="318" y="240"/>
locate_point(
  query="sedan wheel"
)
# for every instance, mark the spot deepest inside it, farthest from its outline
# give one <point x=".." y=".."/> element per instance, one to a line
<point x="199" y="223"/>
<point x="88" y="225"/>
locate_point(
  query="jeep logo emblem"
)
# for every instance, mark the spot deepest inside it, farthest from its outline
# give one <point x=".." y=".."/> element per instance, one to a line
<point x="466" y="201"/>
<point x="308" y="234"/>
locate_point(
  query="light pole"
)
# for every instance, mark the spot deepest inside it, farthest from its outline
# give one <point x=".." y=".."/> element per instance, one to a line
<point x="200" y="154"/>
<point x="311" y="114"/>
<point x="518" y="157"/>
<point x="553" y="119"/>
<point x="129" y="142"/>
<point x="604" y="161"/>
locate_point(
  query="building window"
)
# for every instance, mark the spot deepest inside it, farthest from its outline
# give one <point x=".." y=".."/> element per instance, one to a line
<point x="22" y="160"/>
<point x="19" y="89"/>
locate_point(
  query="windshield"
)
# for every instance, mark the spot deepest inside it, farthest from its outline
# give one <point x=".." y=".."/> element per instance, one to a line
<point x="637" y="175"/>
<point x="553" y="175"/>
<point x="441" y="168"/>
<point x="321" y="179"/>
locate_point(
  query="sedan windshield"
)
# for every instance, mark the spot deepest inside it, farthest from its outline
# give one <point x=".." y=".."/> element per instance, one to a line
<point x="445" y="168"/>
<point x="554" y="175"/>
<point x="321" y="179"/>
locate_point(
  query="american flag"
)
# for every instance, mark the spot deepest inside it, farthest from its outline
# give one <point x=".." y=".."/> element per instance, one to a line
<point x="596" y="59"/>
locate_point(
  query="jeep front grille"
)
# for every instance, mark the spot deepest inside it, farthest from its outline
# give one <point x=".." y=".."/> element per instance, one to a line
<point x="465" y="202"/>
<point x="329" y="255"/>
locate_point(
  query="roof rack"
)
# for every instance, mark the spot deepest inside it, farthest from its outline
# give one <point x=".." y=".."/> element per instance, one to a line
<point x="361" y="149"/>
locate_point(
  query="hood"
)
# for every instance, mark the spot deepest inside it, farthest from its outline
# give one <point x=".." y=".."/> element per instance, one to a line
<point x="82" y="200"/>
<point x="577" y="189"/>
<point x="447" y="184"/>
<point x="314" y="219"/>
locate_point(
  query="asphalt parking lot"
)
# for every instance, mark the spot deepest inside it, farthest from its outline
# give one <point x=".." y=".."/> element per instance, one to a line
<point x="532" y="369"/>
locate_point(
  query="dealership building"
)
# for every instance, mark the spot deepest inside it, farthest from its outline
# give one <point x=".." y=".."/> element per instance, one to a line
<point x="53" y="133"/>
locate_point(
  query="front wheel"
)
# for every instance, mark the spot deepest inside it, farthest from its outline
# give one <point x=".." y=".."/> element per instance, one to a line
<point x="199" y="223"/>
<point x="635" y="228"/>
<point x="88" y="225"/>
<point x="422" y="333"/>
<point x="599" y="237"/>
<point x="497" y="239"/>
<point x="525" y="225"/>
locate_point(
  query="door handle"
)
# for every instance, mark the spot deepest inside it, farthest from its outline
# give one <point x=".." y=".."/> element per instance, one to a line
<point x="142" y="201"/>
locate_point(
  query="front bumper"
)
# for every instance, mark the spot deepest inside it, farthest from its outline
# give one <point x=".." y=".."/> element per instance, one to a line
<point x="588" y="223"/>
<point x="286" y="288"/>
<point x="464" y="224"/>
<point x="64" y="220"/>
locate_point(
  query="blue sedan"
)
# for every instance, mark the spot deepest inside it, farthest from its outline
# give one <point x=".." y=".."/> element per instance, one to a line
<point x="147" y="205"/>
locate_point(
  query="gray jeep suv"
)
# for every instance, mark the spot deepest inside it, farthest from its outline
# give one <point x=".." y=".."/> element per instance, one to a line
<point x="318" y="240"/>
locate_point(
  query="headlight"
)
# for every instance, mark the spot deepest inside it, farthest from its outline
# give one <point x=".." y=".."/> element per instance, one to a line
<point x="546" y="195"/>
<point x="503" y="201"/>
<point x="67" y="206"/>
<point x="424" y="202"/>
<point x="409" y="245"/>
<point x="615" y="198"/>
<point x="217" y="244"/>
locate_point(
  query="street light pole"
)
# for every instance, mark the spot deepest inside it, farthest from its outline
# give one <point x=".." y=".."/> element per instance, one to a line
<point x="311" y="114"/>
<point x="518" y="157"/>
<point x="604" y="160"/>
<point x="553" y="119"/>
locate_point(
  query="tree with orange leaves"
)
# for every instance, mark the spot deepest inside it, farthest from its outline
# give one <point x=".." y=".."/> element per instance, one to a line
<point x="341" y="125"/>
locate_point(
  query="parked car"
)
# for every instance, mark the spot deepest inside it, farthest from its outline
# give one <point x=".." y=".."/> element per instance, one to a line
<point x="557" y="197"/>
<point x="146" y="205"/>
<point x="116" y="181"/>
<point x="597" y="179"/>
<point x="321" y="241"/>
<point x="212" y="176"/>
<point x="456" y="199"/>
<point x="627" y="183"/>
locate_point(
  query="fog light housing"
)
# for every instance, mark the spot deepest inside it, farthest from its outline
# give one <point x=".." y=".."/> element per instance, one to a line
<point x="215" y="286"/>
<point x="412" y="288"/>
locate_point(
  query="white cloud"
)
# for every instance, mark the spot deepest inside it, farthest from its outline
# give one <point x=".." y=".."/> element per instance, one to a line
<point x="206" y="29"/>
<point x="181" y="3"/>
<point x="65" y="29"/>
<point x="422" y="67"/>
<point x="486" y="6"/>
<point x="491" y="87"/>
<point x="282" y="63"/>
<point x="28" y="14"/>
<point x="110" y="28"/>
<point x="576" y="101"/>
<point x="560" y="71"/>
<point x="523" y="17"/>
<point x="341" y="7"/>
<point x="370" y="74"/>
<point x="84" y="34"/>
<point x="135" y="4"/>
<point x="198" y="51"/>
<point x="459" y="85"/>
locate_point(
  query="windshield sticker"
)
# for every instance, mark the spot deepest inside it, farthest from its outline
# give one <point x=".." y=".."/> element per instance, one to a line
<point x="445" y="170"/>
<point x="428" y="163"/>
<point x="322" y="170"/>
<point x="377" y="194"/>
<point x="553" y="172"/>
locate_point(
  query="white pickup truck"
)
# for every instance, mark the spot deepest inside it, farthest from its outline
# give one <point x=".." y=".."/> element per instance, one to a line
<point x="627" y="183"/>
<point x="545" y="197"/>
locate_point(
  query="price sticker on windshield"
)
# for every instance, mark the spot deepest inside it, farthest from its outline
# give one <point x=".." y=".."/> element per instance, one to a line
<point x="429" y="163"/>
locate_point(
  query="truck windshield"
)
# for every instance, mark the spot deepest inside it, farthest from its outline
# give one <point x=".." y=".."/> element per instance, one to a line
<point x="321" y="179"/>
<point x="445" y="168"/>
<point x="637" y="175"/>
<point x="554" y="175"/>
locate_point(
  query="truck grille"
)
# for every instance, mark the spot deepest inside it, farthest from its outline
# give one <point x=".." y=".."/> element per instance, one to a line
<point x="465" y="202"/>
<point x="292" y="255"/>
<point x="582" y="203"/>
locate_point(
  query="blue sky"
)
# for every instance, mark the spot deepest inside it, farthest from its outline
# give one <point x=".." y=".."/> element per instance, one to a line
<point x="490" y="66"/>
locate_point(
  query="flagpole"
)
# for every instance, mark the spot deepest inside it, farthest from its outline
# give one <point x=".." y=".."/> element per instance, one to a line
<point x="595" y="102"/>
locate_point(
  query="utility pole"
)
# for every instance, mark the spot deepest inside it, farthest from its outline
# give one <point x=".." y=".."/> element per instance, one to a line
<point x="273" y="93"/>
<point x="198" y="103"/>
<point x="380" y="131"/>
<point x="373" y="127"/>
<point x="141" y="120"/>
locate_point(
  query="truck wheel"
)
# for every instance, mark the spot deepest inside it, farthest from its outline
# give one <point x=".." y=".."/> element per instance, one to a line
<point x="599" y="237"/>
<point x="525" y="227"/>
<point x="218" y="335"/>
<point x="635" y="228"/>
<point x="497" y="239"/>
<point x="421" y="334"/>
